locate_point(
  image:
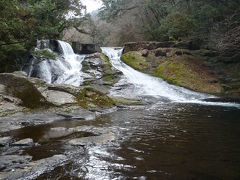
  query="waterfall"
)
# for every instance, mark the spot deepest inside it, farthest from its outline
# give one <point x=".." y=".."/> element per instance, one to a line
<point x="66" y="69"/>
<point x="146" y="85"/>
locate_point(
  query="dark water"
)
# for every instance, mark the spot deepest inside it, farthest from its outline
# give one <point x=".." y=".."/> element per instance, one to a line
<point x="164" y="141"/>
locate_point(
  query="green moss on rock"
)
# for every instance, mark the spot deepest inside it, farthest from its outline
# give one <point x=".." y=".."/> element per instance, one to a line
<point x="182" y="71"/>
<point x="125" y="101"/>
<point x="136" y="61"/>
<point x="23" y="89"/>
<point x="108" y="70"/>
<point x="106" y="59"/>
<point x="89" y="97"/>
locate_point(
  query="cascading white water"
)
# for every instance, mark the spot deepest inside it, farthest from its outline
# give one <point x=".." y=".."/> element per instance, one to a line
<point x="72" y="73"/>
<point x="146" y="85"/>
<point x="63" y="70"/>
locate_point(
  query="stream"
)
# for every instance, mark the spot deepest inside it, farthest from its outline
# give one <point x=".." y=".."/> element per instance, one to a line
<point x="175" y="134"/>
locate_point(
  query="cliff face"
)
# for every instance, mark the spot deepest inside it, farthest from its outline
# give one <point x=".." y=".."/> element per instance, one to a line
<point x="185" y="64"/>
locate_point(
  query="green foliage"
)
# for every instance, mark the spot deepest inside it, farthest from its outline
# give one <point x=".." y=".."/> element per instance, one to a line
<point x="136" y="61"/>
<point x="175" y="26"/>
<point x="163" y="20"/>
<point x="112" y="9"/>
<point x="89" y="98"/>
<point x="22" y="22"/>
<point x="44" y="53"/>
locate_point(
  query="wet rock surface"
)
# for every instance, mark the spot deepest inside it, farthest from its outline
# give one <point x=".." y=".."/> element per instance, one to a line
<point x="5" y="140"/>
<point x="101" y="74"/>
<point x="19" y="93"/>
<point x="33" y="169"/>
<point x="24" y="142"/>
<point x="59" y="98"/>
<point x="11" y="162"/>
<point x="70" y="137"/>
<point x="21" y="120"/>
<point x="94" y="140"/>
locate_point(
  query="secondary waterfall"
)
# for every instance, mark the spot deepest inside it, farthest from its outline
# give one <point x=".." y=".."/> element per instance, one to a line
<point x="66" y="69"/>
<point x="146" y="85"/>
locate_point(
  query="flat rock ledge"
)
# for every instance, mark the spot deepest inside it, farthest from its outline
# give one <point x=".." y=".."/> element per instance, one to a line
<point x="5" y="140"/>
<point x="102" y="136"/>
<point x="35" y="168"/>
<point x="93" y="140"/>
<point x="24" y="142"/>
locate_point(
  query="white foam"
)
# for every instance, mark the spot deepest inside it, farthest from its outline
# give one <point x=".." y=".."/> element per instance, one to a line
<point x="146" y="85"/>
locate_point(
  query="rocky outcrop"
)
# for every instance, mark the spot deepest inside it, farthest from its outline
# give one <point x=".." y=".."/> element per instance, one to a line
<point x="151" y="45"/>
<point x="24" y="142"/>
<point x="80" y="48"/>
<point x="101" y="74"/>
<point x="30" y="170"/>
<point x="18" y="86"/>
<point x="5" y="140"/>
<point x="99" y="136"/>
<point x="21" y="93"/>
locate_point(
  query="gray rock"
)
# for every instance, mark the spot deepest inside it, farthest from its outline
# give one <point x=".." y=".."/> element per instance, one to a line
<point x="80" y="48"/>
<point x="34" y="169"/>
<point x="93" y="140"/>
<point x="59" y="98"/>
<point x="24" y="142"/>
<point x="20" y="73"/>
<point x="2" y="89"/>
<point x="6" y="126"/>
<point x="20" y="87"/>
<point x="10" y="105"/>
<point x="5" y="140"/>
<point x="57" y="132"/>
<point x="145" y="53"/>
<point x="91" y="129"/>
<point x="9" y="162"/>
<point x="160" y="52"/>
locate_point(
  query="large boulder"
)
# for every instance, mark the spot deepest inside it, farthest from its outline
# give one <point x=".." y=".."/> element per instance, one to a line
<point x="18" y="86"/>
<point x="101" y="74"/>
<point x="59" y="98"/>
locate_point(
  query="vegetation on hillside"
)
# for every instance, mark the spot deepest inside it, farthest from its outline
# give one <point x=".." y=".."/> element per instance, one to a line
<point x="22" y="22"/>
<point x="209" y="22"/>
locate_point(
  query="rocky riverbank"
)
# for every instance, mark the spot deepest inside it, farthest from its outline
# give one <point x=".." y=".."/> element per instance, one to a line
<point x="184" y="64"/>
<point x="28" y="103"/>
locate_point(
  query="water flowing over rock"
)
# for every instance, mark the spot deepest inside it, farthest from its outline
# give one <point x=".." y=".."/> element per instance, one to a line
<point x="66" y="69"/>
<point x="148" y="85"/>
<point x="145" y="85"/>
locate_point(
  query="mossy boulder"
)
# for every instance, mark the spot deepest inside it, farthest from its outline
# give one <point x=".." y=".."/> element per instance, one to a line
<point x="189" y="72"/>
<point x="21" y="88"/>
<point x="106" y="59"/>
<point x="90" y="98"/>
<point x="136" y="61"/>
<point x="100" y="71"/>
<point x="121" y="101"/>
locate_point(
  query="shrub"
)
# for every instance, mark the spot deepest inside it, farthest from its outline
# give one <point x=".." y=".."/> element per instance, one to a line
<point x="174" y="26"/>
